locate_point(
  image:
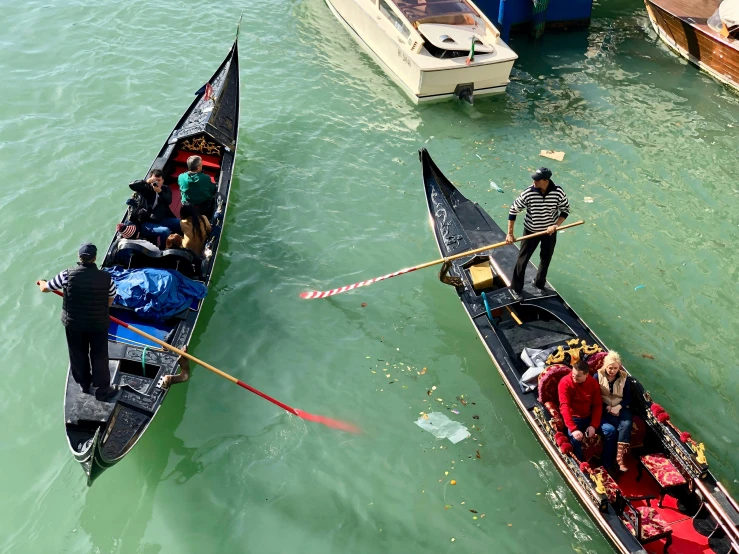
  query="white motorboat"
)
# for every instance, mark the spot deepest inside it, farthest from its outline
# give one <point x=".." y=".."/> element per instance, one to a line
<point x="432" y="49"/>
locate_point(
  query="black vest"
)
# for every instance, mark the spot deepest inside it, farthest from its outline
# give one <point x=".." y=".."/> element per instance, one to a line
<point x="85" y="306"/>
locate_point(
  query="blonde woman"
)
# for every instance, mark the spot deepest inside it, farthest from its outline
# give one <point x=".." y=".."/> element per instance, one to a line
<point x="616" y="392"/>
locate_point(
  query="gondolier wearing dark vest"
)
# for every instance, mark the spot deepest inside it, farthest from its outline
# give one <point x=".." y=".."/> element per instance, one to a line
<point x="546" y="208"/>
<point x="88" y="295"/>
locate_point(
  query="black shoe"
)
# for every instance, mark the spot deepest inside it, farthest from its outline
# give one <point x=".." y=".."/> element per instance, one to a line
<point x="86" y="389"/>
<point x="517" y="296"/>
<point x="537" y="285"/>
<point x="106" y="394"/>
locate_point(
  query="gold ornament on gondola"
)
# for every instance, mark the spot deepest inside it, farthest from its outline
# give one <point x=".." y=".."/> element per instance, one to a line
<point x="573" y="351"/>
<point x="201" y="145"/>
<point x="699" y="449"/>
<point x="600" y="488"/>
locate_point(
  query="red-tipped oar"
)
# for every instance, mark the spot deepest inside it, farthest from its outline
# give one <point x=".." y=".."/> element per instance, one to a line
<point x="329" y="422"/>
<point x="326" y="293"/>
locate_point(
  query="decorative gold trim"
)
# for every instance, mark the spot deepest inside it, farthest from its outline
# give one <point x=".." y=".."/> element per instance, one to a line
<point x="573" y="350"/>
<point x="597" y="478"/>
<point x="201" y="145"/>
<point x="699" y="449"/>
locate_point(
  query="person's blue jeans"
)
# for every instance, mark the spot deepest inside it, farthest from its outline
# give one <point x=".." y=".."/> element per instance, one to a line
<point x="161" y="230"/>
<point x="620" y="428"/>
<point x="609" y="439"/>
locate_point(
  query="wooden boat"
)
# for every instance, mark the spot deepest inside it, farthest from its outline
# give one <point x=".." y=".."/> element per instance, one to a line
<point x="423" y="45"/>
<point x="100" y="434"/>
<point x="683" y="26"/>
<point x="697" y="513"/>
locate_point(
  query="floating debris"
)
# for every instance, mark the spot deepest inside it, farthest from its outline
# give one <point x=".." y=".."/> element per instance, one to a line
<point x="442" y="427"/>
<point x="588" y="199"/>
<point x="364" y="304"/>
<point x="553" y="155"/>
<point x="648" y="356"/>
<point x="639" y="287"/>
<point x="452" y="482"/>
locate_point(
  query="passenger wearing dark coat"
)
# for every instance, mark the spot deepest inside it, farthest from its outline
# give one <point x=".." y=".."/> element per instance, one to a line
<point x="152" y="212"/>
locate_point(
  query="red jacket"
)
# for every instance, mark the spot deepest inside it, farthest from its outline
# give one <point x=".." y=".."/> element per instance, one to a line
<point x="580" y="400"/>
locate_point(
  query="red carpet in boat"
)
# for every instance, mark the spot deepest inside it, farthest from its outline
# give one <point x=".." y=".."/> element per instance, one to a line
<point x="685" y="539"/>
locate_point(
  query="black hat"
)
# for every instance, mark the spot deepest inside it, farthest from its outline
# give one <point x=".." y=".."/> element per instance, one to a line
<point x="87" y="251"/>
<point x="541" y="173"/>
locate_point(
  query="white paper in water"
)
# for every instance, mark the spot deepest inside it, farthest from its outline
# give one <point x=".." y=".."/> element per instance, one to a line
<point x="442" y="427"/>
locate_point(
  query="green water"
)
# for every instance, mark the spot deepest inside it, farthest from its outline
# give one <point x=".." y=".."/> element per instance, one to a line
<point x="327" y="192"/>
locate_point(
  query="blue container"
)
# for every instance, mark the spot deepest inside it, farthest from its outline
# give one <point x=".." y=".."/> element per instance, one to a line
<point x="519" y="14"/>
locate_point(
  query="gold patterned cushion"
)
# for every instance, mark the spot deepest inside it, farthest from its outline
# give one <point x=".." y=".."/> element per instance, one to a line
<point x="651" y="523"/>
<point x="663" y="470"/>
<point x="608" y="482"/>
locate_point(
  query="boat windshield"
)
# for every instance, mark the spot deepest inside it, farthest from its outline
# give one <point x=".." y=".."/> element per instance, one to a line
<point x="444" y="12"/>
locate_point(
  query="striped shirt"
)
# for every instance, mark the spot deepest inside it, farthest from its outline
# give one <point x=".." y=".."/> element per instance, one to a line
<point x="542" y="210"/>
<point x="60" y="281"/>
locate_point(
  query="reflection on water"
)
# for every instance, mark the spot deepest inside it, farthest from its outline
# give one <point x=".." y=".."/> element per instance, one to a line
<point x="328" y="191"/>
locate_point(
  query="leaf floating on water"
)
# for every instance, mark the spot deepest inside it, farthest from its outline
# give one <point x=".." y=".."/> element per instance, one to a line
<point x="473" y="511"/>
<point x="433" y="388"/>
<point x="477" y="454"/>
<point x="452" y="482"/>
<point x="447" y="507"/>
<point x="648" y="356"/>
<point x="428" y="392"/>
<point x="446" y="473"/>
<point x="588" y="199"/>
<point x="475" y="417"/>
<point x="474" y="517"/>
<point x="440" y="400"/>
<point x="364" y="304"/>
<point x="422" y="371"/>
<point x="510" y="525"/>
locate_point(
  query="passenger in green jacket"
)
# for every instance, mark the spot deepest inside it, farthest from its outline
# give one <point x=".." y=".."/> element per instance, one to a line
<point x="196" y="187"/>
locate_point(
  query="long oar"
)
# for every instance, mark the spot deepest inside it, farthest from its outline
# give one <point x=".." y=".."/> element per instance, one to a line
<point x="326" y="293"/>
<point x="329" y="422"/>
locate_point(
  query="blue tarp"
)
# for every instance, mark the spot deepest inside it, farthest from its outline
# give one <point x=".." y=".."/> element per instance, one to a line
<point x="155" y="293"/>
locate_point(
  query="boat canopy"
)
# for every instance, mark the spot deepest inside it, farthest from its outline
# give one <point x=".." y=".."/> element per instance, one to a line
<point x="444" y="12"/>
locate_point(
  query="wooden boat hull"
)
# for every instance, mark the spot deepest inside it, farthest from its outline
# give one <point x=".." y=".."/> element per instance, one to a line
<point x="684" y="30"/>
<point x="100" y="434"/>
<point x="460" y="225"/>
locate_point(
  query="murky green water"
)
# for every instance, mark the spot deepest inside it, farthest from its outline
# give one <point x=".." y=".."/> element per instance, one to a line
<point x="327" y="192"/>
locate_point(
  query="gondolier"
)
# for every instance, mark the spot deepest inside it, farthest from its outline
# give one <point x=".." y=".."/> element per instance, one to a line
<point x="88" y="294"/>
<point x="546" y="208"/>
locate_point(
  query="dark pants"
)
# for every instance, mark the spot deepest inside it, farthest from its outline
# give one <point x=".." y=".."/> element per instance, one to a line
<point x="609" y="442"/>
<point x="528" y="247"/>
<point x="618" y="426"/>
<point x="88" y="357"/>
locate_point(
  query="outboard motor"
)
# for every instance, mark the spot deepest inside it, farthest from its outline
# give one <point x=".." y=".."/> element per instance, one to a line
<point x="464" y="92"/>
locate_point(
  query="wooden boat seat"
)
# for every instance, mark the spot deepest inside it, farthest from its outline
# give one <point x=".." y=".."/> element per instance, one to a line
<point x="549" y="398"/>
<point x="208" y="160"/>
<point x="644" y="522"/>
<point x="664" y="472"/>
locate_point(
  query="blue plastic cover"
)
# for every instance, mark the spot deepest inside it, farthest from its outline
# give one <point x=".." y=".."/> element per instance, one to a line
<point x="155" y="294"/>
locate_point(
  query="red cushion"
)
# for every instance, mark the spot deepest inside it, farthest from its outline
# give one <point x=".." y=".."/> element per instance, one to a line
<point x="176" y="200"/>
<point x="651" y="523"/>
<point x="663" y="470"/>
<point x="608" y="482"/>
<point x="595" y="362"/>
<point x="208" y="160"/>
<point x="549" y="381"/>
<point x="592" y="447"/>
<point x="557" y="422"/>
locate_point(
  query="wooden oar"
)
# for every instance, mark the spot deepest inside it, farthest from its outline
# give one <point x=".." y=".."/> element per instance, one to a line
<point x="326" y="293"/>
<point x="329" y="422"/>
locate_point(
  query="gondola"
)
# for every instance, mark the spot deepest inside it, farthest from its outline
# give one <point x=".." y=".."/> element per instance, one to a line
<point x="100" y="434"/>
<point x="668" y="498"/>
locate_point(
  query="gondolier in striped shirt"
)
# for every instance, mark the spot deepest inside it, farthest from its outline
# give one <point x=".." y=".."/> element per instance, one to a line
<point x="88" y="294"/>
<point x="546" y="208"/>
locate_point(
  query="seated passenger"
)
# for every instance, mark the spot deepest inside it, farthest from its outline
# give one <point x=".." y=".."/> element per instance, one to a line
<point x="196" y="187"/>
<point x="173" y="241"/>
<point x="581" y="406"/>
<point x="616" y="394"/>
<point x="152" y="213"/>
<point x="195" y="227"/>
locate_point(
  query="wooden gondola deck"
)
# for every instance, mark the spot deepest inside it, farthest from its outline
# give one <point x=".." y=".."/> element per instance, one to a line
<point x="683" y="26"/>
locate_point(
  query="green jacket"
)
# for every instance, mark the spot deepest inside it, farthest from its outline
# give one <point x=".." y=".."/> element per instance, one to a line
<point x="196" y="188"/>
